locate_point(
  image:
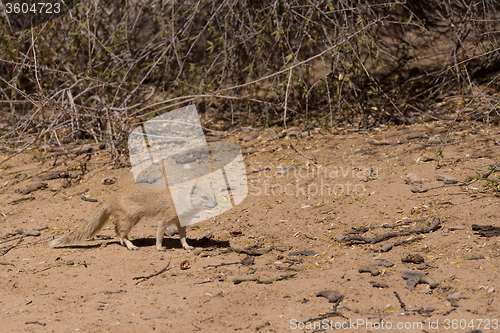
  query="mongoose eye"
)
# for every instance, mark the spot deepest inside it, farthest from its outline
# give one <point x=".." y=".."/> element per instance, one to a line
<point x="204" y="197"/>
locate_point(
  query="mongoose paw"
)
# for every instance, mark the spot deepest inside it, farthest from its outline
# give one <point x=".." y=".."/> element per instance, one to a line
<point x="189" y="248"/>
<point x="161" y="249"/>
<point x="133" y="248"/>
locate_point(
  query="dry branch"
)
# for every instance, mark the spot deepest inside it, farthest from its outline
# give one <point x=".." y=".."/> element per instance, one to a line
<point x="432" y="226"/>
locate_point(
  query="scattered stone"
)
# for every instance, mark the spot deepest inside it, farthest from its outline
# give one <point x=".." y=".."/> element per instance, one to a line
<point x="386" y="247"/>
<point x="411" y="283"/>
<point x="373" y="270"/>
<point x="254" y="134"/>
<point x="304" y="134"/>
<point x="413" y="258"/>
<point x="286" y="276"/>
<point x="265" y="282"/>
<point x="412" y="278"/>
<point x="108" y="181"/>
<point x="428" y="310"/>
<point x="244" y="278"/>
<point x="212" y="138"/>
<point x="382" y="262"/>
<point x="332" y="295"/>
<point x="490" y="290"/>
<point x="83" y="149"/>
<point x="425" y="266"/>
<point x="426" y="291"/>
<point x="378" y="284"/>
<point x="435" y="141"/>
<point x="417" y="188"/>
<point x="406" y="274"/>
<point x="32" y="187"/>
<point x="64" y="183"/>
<point x="425" y="158"/>
<point x="417" y="136"/>
<point x="432" y="282"/>
<point x="32" y="232"/>
<point x="51" y="175"/>
<point x="412" y="179"/>
<point x="247" y="261"/>
<point x="486" y="230"/>
<point x="447" y="179"/>
<point x="185" y="264"/>
<point x="302" y="253"/>
<point x="454" y="299"/>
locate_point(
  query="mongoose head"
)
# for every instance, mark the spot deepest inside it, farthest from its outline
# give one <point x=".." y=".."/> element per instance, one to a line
<point x="203" y="197"/>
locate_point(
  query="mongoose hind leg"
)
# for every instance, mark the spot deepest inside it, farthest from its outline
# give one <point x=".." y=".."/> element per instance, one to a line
<point x="122" y="228"/>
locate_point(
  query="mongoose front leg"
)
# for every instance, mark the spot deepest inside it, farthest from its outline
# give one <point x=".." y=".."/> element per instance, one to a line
<point x="182" y="235"/>
<point x="162" y="225"/>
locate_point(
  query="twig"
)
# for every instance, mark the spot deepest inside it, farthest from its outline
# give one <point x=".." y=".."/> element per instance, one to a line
<point x="434" y="225"/>
<point x="6" y="263"/>
<point x="223" y="264"/>
<point x="35" y="322"/>
<point x="144" y="278"/>
<point x="15" y="202"/>
<point x="337" y="303"/>
<point x="300" y="153"/>
<point x="8" y="248"/>
<point x="203" y="282"/>
<point x="403" y="306"/>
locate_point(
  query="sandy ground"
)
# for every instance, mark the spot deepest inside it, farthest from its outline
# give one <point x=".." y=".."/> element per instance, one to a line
<point x="91" y="288"/>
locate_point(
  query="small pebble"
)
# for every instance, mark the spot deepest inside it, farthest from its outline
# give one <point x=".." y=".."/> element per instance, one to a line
<point x="447" y="179"/>
<point x="411" y="283"/>
<point x="379" y="284"/>
<point x="406" y="274"/>
<point x="32" y="232"/>
<point x="386" y="247"/>
<point x="432" y="282"/>
<point x="434" y="141"/>
<point x="413" y="258"/>
<point x="416" y="136"/>
<point x="412" y="179"/>
<point x="382" y="262"/>
<point x="373" y="270"/>
<point x="247" y="261"/>
<point x="254" y="134"/>
<point x="244" y="278"/>
<point x="417" y="188"/>
<point x="332" y="295"/>
<point x="108" y="181"/>
<point x="454" y="299"/>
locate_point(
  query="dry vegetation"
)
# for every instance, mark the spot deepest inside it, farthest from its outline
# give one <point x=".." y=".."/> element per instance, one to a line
<point x="102" y="67"/>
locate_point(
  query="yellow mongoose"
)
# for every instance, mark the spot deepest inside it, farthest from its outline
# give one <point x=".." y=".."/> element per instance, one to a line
<point x="129" y="205"/>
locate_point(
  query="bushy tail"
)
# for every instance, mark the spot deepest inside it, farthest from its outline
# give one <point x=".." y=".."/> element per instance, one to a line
<point x="85" y="232"/>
